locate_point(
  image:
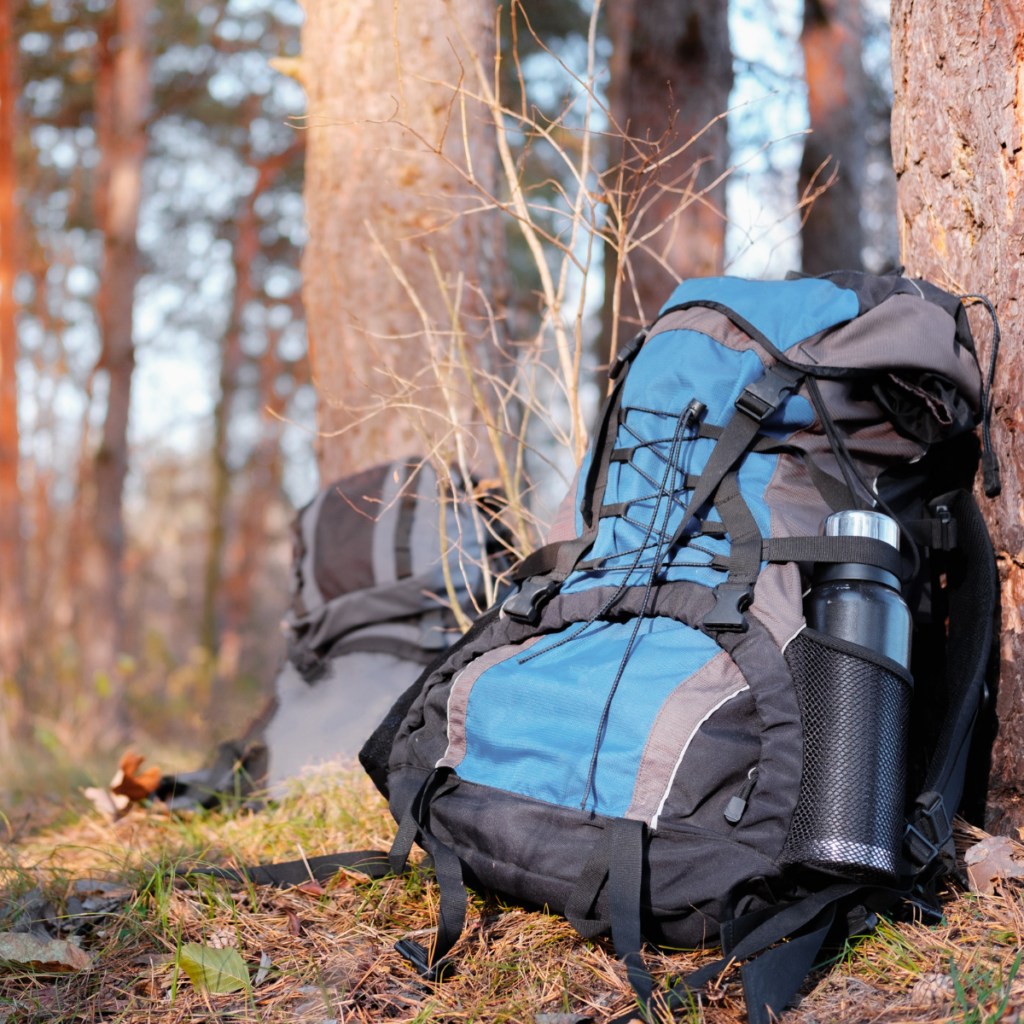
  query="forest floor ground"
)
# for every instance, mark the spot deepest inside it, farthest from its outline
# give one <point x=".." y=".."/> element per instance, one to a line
<point x="331" y="953"/>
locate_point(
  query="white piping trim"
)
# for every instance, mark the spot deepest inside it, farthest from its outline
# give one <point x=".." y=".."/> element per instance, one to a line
<point x="686" y="746"/>
<point x="794" y="636"/>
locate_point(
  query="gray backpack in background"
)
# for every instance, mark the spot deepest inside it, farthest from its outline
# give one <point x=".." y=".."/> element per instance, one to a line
<point x="369" y="609"/>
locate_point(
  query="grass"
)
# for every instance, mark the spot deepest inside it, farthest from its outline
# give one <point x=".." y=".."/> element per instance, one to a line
<point x="332" y="953"/>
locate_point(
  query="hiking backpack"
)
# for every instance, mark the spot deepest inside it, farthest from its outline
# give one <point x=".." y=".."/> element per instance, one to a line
<point x="369" y="609"/>
<point x="633" y="738"/>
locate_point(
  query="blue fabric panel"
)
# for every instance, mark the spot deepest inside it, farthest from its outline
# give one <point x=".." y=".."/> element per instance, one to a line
<point x="673" y="368"/>
<point x="786" y="312"/>
<point x="531" y="728"/>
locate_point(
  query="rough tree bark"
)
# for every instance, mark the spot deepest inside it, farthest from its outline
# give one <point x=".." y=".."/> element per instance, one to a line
<point x="365" y="171"/>
<point x="957" y="143"/>
<point x="671" y="73"/>
<point x="11" y="583"/>
<point x="832" y="238"/>
<point x="122" y="102"/>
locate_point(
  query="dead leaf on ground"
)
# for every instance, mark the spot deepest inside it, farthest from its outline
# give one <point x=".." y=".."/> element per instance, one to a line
<point x="313" y="888"/>
<point x="48" y="955"/>
<point x="130" y="782"/>
<point x="110" y="806"/>
<point x="991" y="859"/>
<point x="294" y="924"/>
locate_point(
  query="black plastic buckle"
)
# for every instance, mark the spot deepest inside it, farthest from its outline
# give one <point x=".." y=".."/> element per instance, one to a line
<point x="929" y="817"/>
<point x="627" y="353"/>
<point x="412" y="952"/>
<point x="945" y="529"/>
<point x="526" y="604"/>
<point x="760" y="398"/>
<point x="731" y="601"/>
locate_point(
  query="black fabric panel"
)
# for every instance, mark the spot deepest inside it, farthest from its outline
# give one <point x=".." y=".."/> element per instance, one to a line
<point x="535" y="852"/>
<point x="403" y="535"/>
<point x="404" y="649"/>
<point x="715" y="766"/>
<point x="343" y="545"/>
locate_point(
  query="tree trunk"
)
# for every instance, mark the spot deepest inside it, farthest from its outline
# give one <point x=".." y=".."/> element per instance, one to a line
<point x="837" y="100"/>
<point x="246" y="248"/>
<point x="957" y="141"/>
<point x="122" y="103"/>
<point x="11" y="565"/>
<point x="368" y="173"/>
<point x="671" y="73"/>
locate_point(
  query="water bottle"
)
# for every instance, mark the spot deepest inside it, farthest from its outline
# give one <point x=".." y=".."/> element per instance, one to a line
<point x="855" y="708"/>
<point x="857" y="602"/>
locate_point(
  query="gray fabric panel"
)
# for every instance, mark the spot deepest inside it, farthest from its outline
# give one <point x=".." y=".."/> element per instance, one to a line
<point x="458" y="698"/>
<point x="422" y="739"/>
<point x="902" y="332"/>
<point x="778" y="601"/>
<point x="563" y="526"/>
<point x="715" y="325"/>
<point x="331" y="719"/>
<point x="345" y="524"/>
<point x="678" y="719"/>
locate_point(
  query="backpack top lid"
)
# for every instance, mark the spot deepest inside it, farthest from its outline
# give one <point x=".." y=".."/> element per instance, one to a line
<point x="367" y="549"/>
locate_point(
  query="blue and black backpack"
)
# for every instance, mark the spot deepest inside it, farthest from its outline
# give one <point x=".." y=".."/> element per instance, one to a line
<point x="634" y="738"/>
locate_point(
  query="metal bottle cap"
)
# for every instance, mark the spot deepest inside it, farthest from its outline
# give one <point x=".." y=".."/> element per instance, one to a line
<point x="863" y="524"/>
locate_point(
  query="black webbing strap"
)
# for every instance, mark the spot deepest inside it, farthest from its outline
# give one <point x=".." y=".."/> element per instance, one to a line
<point x="617" y="855"/>
<point x="403" y="534"/>
<point x="757" y="401"/>
<point x="537" y="563"/>
<point x="373" y="863"/>
<point x="451" y="919"/>
<point x="734" y="595"/>
<point x="834" y="551"/>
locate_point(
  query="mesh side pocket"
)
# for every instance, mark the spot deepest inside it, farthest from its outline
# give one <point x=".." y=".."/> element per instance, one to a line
<point x="849" y="819"/>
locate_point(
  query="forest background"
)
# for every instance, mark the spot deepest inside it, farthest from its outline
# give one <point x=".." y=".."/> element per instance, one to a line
<point x="159" y="411"/>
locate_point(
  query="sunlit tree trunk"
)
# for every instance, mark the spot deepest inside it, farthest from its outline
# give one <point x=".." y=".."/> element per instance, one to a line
<point x="671" y="73"/>
<point x="379" y="76"/>
<point x="11" y="563"/>
<point x="122" y="103"/>
<point x="957" y="146"/>
<point x="837" y="100"/>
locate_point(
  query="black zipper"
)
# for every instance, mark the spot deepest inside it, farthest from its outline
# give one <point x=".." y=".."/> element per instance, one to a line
<point x="738" y="804"/>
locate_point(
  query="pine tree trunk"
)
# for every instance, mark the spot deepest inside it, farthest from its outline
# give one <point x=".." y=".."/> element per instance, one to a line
<point x="367" y="172"/>
<point x="671" y="73"/>
<point x="831" y="236"/>
<point x="11" y="564"/>
<point x="122" y="104"/>
<point x="957" y="143"/>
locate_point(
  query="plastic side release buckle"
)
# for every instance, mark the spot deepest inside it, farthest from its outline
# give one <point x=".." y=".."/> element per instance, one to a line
<point x="412" y="952"/>
<point x="761" y="397"/>
<point x="731" y="601"/>
<point x="526" y="604"/>
<point x="927" y="832"/>
<point x="626" y="353"/>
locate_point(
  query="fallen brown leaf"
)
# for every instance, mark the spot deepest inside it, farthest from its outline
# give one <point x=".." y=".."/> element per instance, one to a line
<point x="128" y="782"/>
<point x="294" y="924"/>
<point x="49" y="955"/>
<point x="313" y="888"/>
<point x="991" y="859"/>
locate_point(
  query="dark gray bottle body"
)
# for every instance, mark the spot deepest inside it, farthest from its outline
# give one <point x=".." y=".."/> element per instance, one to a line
<point x="855" y="712"/>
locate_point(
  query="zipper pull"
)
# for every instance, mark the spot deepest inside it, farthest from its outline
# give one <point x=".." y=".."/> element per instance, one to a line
<point x="738" y="804"/>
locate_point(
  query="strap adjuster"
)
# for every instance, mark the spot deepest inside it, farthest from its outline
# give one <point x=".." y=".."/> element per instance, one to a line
<point x="928" y="830"/>
<point x="761" y="397"/>
<point x="731" y="601"/>
<point x="627" y="353"/>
